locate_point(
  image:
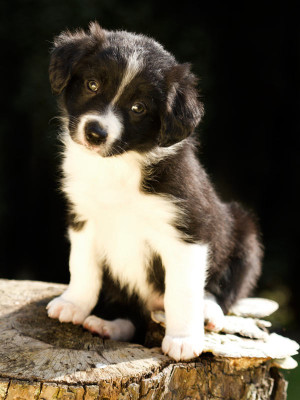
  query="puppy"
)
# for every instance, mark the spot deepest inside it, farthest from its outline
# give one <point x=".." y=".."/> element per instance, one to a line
<point x="144" y="220"/>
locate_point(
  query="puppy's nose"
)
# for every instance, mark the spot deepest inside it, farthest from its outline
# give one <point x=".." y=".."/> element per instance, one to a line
<point x="94" y="133"/>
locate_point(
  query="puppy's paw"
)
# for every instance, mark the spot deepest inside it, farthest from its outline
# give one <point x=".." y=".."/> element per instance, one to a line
<point x="119" y="329"/>
<point x="66" y="311"/>
<point x="182" y="348"/>
<point x="213" y="316"/>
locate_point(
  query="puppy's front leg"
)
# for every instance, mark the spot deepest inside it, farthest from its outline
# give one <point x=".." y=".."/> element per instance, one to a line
<point x="81" y="296"/>
<point x="185" y="266"/>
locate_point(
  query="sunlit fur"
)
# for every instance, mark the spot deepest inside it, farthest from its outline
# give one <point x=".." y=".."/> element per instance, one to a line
<point x="146" y="227"/>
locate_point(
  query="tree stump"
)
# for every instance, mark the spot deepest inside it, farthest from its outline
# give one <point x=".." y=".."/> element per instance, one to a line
<point x="42" y="359"/>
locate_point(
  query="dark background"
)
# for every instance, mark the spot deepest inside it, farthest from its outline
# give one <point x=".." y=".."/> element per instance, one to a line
<point x="247" y="57"/>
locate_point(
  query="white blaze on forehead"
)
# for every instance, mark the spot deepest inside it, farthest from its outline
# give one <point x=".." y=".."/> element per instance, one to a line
<point x="134" y="65"/>
<point x="112" y="124"/>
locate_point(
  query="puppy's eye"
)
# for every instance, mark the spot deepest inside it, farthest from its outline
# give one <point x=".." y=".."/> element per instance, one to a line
<point x="138" y="108"/>
<point x="93" y="85"/>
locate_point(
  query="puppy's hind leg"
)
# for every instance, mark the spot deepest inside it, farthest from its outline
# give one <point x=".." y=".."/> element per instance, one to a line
<point x="244" y="264"/>
<point x="118" y="329"/>
<point x="213" y="314"/>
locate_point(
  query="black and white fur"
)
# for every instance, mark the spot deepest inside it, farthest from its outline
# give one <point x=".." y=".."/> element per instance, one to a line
<point x="144" y="219"/>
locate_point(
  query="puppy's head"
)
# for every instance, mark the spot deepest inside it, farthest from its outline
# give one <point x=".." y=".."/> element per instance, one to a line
<point x="120" y="91"/>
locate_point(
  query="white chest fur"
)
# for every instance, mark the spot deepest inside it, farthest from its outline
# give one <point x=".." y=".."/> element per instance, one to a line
<point x="129" y="224"/>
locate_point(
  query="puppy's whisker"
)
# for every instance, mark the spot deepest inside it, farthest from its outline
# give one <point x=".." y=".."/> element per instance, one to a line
<point x="57" y="117"/>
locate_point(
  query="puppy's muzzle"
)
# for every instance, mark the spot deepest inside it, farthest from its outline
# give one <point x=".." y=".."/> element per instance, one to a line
<point x="94" y="133"/>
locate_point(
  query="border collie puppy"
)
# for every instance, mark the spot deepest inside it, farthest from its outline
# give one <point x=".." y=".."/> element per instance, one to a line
<point x="144" y="220"/>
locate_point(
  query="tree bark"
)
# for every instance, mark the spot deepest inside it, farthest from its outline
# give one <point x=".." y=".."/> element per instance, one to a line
<point x="43" y="359"/>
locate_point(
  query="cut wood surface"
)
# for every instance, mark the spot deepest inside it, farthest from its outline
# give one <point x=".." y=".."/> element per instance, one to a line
<point x="42" y="359"/>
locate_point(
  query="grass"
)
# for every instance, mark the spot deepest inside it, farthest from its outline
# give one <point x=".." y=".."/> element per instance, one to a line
<point x="293" y="378"/>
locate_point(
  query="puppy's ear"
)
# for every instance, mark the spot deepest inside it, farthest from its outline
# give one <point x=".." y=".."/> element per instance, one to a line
<point x="183" y="110"/>
<point x="68" y="50"/>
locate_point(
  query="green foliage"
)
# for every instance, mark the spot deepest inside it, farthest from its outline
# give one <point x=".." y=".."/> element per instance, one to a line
<point x="293" y="378"/>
